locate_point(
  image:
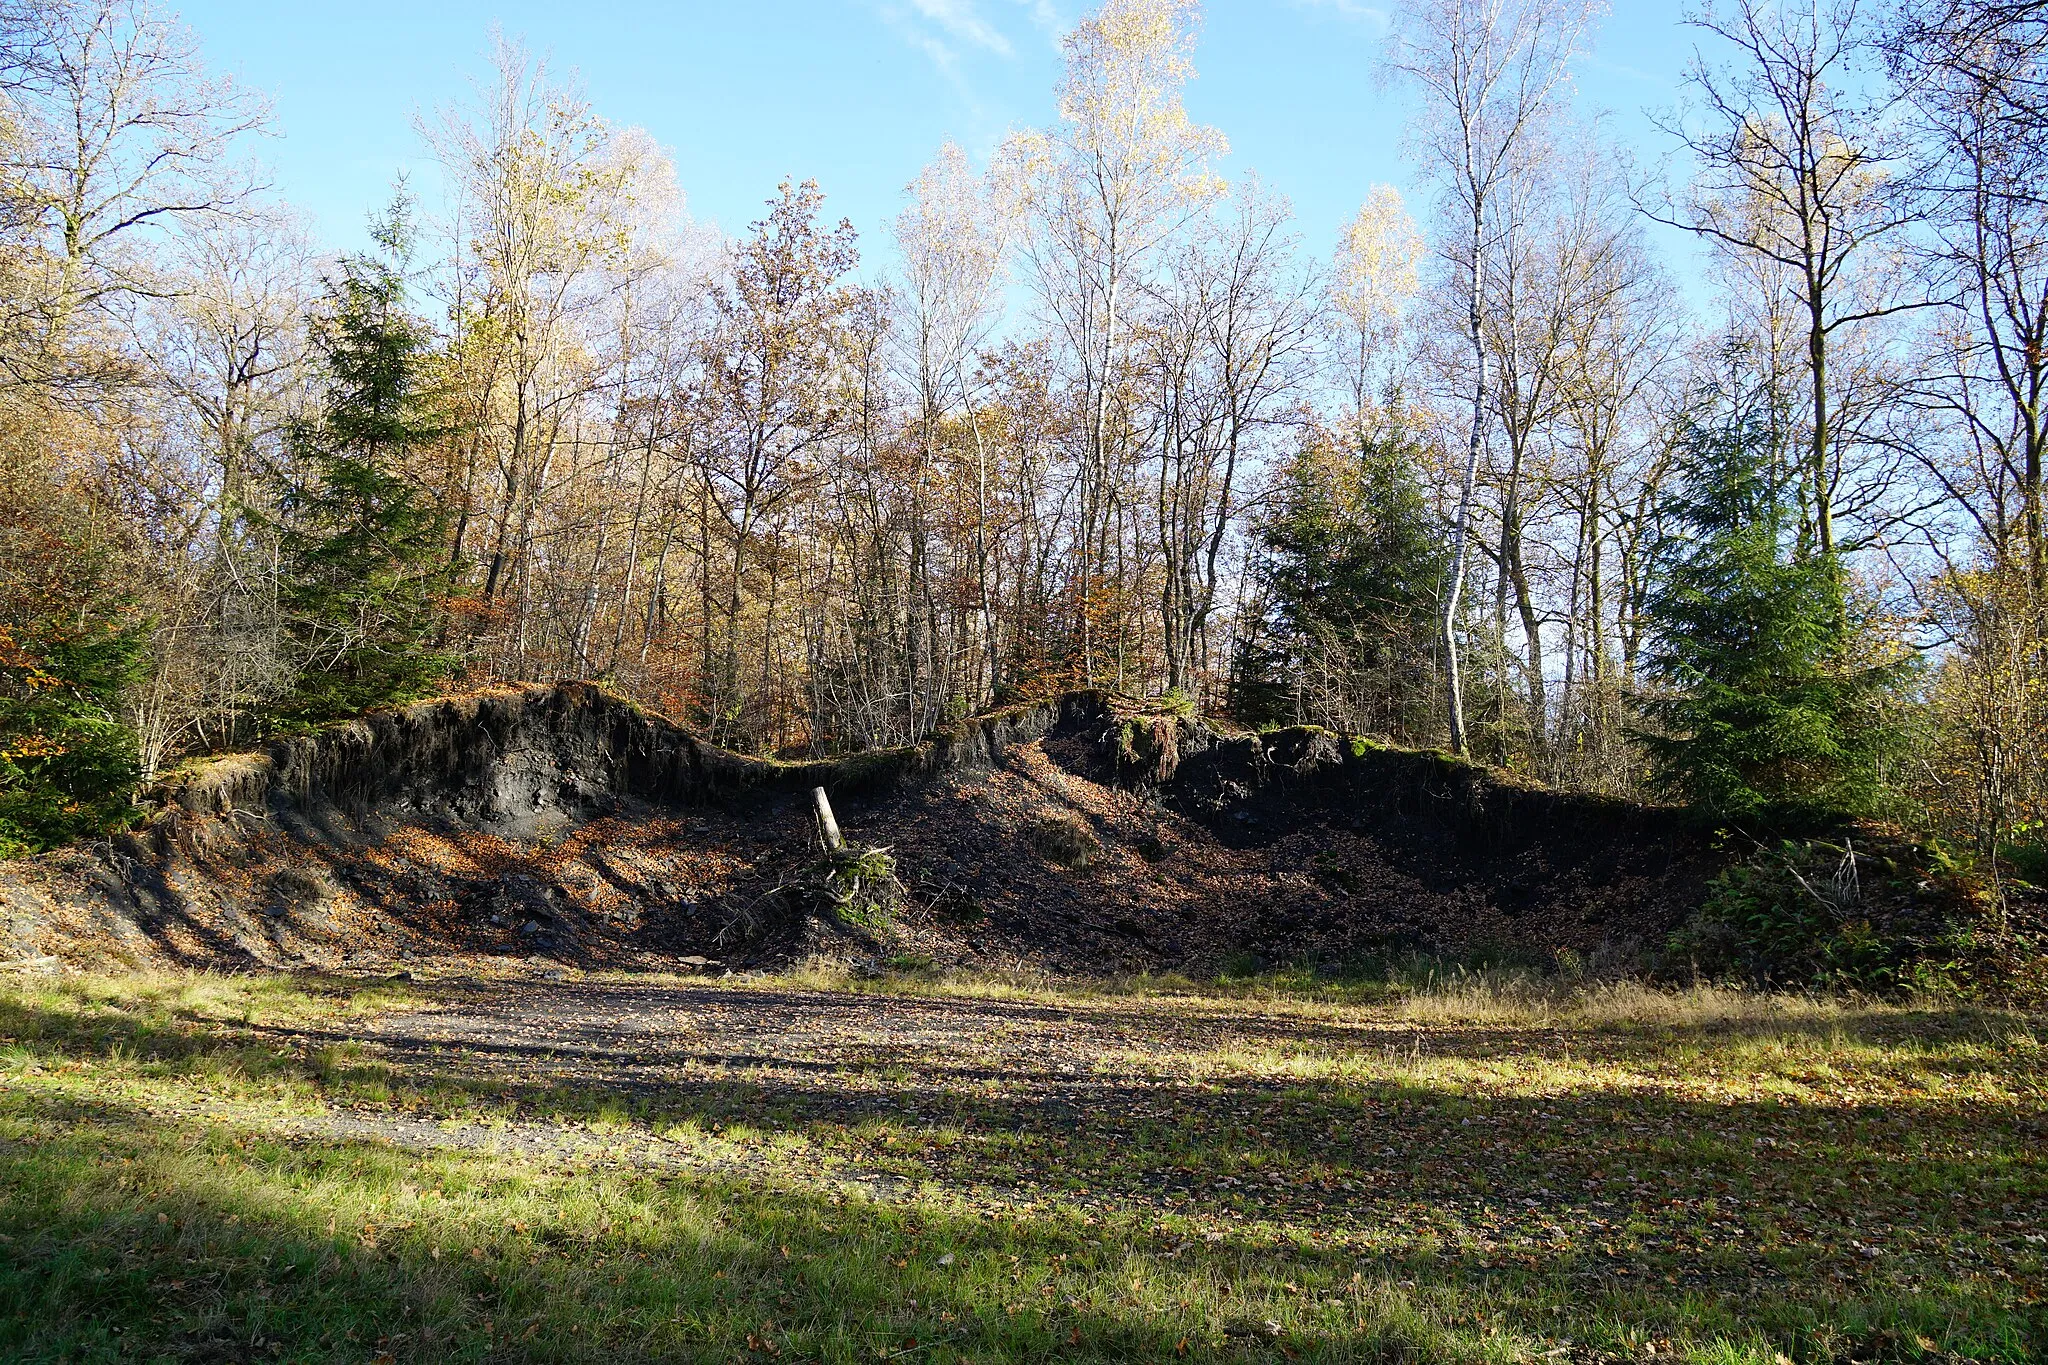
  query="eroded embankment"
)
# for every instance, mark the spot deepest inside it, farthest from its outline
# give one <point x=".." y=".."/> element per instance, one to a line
<point x="562" y="823"/>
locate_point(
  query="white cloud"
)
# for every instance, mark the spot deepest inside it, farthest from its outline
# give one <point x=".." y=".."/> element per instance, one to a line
<point x="953" y="34"/>
<point x="1045" y="19"/>
<point x="940" y="29"/>
<point x="948" y="32"/>
<point x="1352" y="11"/>
<point x="957" y="18"/>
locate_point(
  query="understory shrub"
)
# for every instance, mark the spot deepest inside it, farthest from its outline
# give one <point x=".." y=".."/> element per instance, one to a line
<point x="1878" y="915"/>
<point x="74" y="646"/>
<point x="68" y="761"/>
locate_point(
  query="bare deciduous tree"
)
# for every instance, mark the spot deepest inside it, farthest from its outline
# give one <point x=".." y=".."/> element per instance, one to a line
<point x="1490" y="72"/>
<point x="1792" y="170"/>
<point x="1105" y="191"/>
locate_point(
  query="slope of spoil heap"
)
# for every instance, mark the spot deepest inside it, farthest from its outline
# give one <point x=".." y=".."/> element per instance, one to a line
<point x="1083" y="834"/>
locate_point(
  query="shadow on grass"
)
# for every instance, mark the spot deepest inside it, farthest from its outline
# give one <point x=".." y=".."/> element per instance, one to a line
<point x="201" y="1262"/>
<point x="128" y="1236"/>
<point x="1594" y="1216"/>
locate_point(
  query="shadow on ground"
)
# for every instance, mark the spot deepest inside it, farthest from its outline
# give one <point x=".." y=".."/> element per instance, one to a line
<point x="624" y="1171"/>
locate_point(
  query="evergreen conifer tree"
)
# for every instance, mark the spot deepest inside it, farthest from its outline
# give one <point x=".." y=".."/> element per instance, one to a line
<point x="1774" y="700"/>
<point x="73" y="641"/>
<point x="361" y="540"/>
<point x="1352" y="564"/>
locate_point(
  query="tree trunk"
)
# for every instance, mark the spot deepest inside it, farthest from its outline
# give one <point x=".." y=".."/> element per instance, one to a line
<point x="1461" y="528"/>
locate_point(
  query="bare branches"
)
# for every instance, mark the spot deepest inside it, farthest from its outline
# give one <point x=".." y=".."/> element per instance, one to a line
<point x="125" y="131"/>
<point x="1792" y="170"/>
<point x="1492" y="70"/>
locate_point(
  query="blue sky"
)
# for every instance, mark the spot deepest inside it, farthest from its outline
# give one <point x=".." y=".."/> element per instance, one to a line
<point x="854" y="93"/>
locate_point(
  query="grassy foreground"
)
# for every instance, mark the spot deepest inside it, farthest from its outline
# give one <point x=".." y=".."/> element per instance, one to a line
<point x="200" y="1168"/>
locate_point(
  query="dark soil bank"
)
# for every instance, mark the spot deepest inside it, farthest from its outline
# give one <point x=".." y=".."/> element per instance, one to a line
<point x="562" y="824"/>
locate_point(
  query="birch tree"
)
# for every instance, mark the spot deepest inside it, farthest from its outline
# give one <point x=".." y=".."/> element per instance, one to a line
<point x="1374" y="275"/>
<point x="543" y="193"/>
<point x="1105" y="191"/>
<point x="772" y="399"/>
<point x="953" y="238"/>
<point x="1490" y="72"/>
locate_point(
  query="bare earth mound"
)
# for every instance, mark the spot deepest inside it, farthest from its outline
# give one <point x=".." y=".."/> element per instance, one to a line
<point x="562" y="825"/>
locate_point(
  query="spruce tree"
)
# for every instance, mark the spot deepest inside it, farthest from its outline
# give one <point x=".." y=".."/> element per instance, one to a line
<point x="1774" y="696"/>
<point x="68" y="758"/>
<point x="1352" y="563"/>
<point x="361" y="541"/>
<point x="74" y="642"/>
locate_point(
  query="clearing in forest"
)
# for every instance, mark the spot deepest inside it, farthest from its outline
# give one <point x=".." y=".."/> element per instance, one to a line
<point x="919" y="1169"/>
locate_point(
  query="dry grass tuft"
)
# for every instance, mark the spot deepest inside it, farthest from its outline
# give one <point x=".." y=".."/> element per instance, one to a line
<point x="1527" y="1000"/>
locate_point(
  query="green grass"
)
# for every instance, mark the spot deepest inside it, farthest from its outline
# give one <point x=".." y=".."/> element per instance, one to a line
<point x="1481" y="1168"/>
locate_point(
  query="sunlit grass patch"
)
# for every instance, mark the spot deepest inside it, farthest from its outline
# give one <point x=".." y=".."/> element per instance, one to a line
<point x="959" y="1169"/>
<point x="155" y="1000"/>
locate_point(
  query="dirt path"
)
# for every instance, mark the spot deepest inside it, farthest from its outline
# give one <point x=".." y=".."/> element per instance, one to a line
<point x="653" y="1076"/>
<point x="625" y="1033"/>
<point x="826" y="1054"/>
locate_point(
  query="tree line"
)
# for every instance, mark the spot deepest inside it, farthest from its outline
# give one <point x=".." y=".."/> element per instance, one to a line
<point x="1768" y="539"/>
